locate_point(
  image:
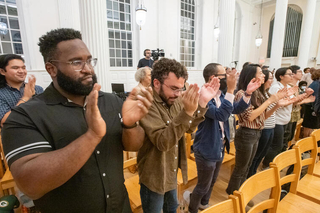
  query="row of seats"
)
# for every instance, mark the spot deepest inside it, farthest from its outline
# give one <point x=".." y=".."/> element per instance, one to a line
<point x="7" y="184"/>
<point x="133" y="186"/>
<point x="304" y="194"/>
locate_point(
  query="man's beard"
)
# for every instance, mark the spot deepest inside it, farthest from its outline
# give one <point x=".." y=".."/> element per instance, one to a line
<point x="75" y="87"/>
<point x="164" y="98"/>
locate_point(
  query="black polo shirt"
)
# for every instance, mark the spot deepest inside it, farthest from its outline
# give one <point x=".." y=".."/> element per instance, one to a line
<point x="49" y="122"/>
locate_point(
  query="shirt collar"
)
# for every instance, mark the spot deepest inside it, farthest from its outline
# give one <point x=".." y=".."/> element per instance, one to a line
<point x="10" y="87"/>
<point x="52" y="96"/>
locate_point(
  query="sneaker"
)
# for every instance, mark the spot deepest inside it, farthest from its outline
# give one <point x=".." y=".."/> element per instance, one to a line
<point x="186" y="197"/>
<point x="203" y="207"/>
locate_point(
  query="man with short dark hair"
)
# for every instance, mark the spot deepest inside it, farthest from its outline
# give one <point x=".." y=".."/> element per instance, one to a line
<point x="65" y="146"/>
<point x="13" y="89"/>
<point x="213" y="134"/>
<point x="173" y="112"/>
<point x="146" y="61"/>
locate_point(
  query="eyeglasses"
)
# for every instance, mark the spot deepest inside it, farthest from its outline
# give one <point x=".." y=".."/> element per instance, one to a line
<point x="291" y="74"/>
<point x="176" y="91"/>
<point x="78" y="65"/>
<point x="223" y="75"/>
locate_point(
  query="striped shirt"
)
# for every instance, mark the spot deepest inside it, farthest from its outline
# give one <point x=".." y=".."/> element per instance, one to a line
<point x="257" y="123"/>
<point x="9" y="97"/>
<point x="270" y="122"/>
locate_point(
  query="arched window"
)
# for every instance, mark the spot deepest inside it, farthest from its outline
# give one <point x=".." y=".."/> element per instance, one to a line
<point x="10" y="36"/>
<point x="120" y="33"/>
<point x="292" y="33"/>
<point x="187" y="32"/>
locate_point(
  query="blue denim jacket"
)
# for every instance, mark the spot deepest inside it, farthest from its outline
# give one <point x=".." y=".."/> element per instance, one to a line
<point x="208" y="141"/>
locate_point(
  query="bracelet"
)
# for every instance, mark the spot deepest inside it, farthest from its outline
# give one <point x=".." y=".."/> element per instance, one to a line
<point x="23" y="100"/>
<point x="246" y="94"/>
<point x="130" y="127"/>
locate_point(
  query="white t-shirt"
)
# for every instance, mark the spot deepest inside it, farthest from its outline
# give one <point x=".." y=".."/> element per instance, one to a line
<point x="283" y="114"/>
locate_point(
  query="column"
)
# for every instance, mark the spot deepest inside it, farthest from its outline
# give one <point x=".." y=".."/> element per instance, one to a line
<point x="306" y="33"/>
<point x="226" y="25"/>
<point x="278" y="34"/>
<point x="93" y="19"/>
<point x="69" y="14"/>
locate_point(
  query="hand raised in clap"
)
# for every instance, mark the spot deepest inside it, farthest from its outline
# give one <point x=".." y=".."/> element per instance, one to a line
<point x="208" y="91"/>
<point x="136" y="106"/>
<point x="29" y="89"/>
<point x="96" y="125"/>
<point x="190" y="99"/>
<point x="254" y="84"/>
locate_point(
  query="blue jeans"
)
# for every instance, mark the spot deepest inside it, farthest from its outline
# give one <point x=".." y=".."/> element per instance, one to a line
<point x="207" y="175"/>
<point x="263" y="146"/>
<point x="153" y="202"/>
<point x="246" y="143"/>
<point x="276" y="145"/>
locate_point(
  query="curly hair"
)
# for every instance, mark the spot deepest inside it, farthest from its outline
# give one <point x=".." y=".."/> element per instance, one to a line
<point x="164" y="66"/>
<point x="48" y="42"/>
<point x="4" y="60"/>
<point x="141" y="73"/>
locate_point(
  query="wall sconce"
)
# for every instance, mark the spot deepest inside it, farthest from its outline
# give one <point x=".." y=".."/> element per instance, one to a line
<point x="141" y="14"/>
<point x="259" y="36"/>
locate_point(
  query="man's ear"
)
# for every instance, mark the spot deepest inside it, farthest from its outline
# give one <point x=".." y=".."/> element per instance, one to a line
<point x="156" y="83"/>
<point x="2" y="71"/>
<point x="51" y="69"/>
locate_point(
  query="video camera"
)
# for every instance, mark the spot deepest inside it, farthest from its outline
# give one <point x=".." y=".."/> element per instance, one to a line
<point x="157" y="53"/>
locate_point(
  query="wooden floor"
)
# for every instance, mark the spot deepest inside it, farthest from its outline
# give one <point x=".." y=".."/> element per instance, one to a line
<point x="218" y="194"/>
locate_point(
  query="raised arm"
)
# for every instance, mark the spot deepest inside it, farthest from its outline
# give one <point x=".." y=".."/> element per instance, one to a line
<point x="134" y="109"/>
<point x="37" y="174"/>
<point x="29" y="91"/>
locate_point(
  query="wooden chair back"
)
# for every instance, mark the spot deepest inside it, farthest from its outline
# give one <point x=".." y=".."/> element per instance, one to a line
<point x="267" y="179"/>
<point x="308" y="144"/>
<point x="316" y="136"/>
<point x="232" y="205"/>
<point x="298" y="130"/>
<point x="286" y="159"/>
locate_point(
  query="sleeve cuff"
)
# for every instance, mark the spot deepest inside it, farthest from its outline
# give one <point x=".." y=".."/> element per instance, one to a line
<point x="229" y="97"/>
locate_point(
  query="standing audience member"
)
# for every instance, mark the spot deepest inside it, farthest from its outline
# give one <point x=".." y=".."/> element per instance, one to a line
<point x="310" y="121"/>
<point x="146" y="61"/>
<point x="307" y="76"/>
<point x="295" y="114"/>
<point x="173" y="112"/>
<point x="268" y="130"/>
<point x="13" y="89"/>
<point x="251" y="122"/>
<point x="213" y="134"/>
<point x="70" y="158"/>
<point x="283" y="114"/>
<point x="143" y="76"/>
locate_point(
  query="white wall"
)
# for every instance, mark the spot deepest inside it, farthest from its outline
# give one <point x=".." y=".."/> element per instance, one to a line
<point x="268" y="12"/>
<point x="162" y="30"/>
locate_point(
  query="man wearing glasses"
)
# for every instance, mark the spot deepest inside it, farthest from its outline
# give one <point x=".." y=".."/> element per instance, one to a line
<point x="65" y="147"/>
<point x="173" y="112"/>
<point x="213" y="134"/>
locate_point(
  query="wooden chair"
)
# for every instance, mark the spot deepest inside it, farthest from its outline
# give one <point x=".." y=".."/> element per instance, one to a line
<point x="231" y="205"/>
<point x="308" y="186"/>
<point x="133" y="186"/>
<point x="267" y="179"/>
<point x="7" y="184"/>
<point x="192" y="170"/>
<point x="316" y="136"/>
<point x="292" y="202"/>
<point x="297" y="132"/>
